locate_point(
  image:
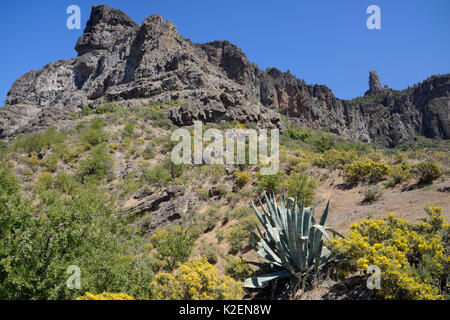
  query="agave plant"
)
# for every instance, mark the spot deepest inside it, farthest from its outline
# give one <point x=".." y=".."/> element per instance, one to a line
<point x="292" y="240"/>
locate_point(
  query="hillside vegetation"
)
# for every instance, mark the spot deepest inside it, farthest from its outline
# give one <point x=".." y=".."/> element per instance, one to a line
<point x="74" y="196"/>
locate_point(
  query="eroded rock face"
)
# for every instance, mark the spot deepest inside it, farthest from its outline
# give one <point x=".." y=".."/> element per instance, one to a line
<point x="162" y="209"/>
<point x="119" y="60"/>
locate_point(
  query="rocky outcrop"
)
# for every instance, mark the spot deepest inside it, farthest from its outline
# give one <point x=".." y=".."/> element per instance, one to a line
<point x="374" y="83"/>
<point x="161" y="209"/>
<point x="121" y="61"/>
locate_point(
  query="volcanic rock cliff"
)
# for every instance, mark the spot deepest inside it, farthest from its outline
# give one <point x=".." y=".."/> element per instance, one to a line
<point x="119" y="60"/>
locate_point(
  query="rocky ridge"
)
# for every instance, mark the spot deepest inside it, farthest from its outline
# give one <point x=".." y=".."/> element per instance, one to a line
<point x="119" y="60"/>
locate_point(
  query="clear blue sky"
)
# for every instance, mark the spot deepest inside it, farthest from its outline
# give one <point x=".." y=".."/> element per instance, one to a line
<point x="321" y="41"/>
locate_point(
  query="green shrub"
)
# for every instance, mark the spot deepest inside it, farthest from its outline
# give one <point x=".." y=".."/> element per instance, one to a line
<point x="372" y="193"/>
<point x="98" y="164"/>
<point x="202" y="193"/>
<point x="174" y="245"/>
<point x="94" y="136"/>
<point x="270" y="183"/>
<point x="241" y="213"/>
<point x="240" y="232"/>
<point x="51" y="162"/>
<point x="9" y="184"/>
<point x="65" y="152"/>
<point x="41" y="239"/>
<point x="107" y="108"/>
<point x="175" y="170"/>
<point x="324" y="143"/>
<point x="157" y="176"/>
<point x="38" y="142"/>
<point x="128" y="130"/>
<point x="209" y="251"/>
<point x="426" y="172"/>
<point x="300" y="186"/>
<point x="296" y="135"/>
<point x="158" y="117"/>
<point x="149" y="151"/>
<point x="86" y="110"/>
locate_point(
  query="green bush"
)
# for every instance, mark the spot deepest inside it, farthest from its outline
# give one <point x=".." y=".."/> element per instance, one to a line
<point x="175" y="170"/>
<point x="98" y="164"/>
<point x="51" y="162"/>
<point x="94" y="136"/>
<point x="158" y="117"/>
<point x="107" y="108"/>
<point x="300" y="186"/>
<point x="270" y="183"/>
<point x="400" y="172"/>
<point x="38" y="142"/>
<point x="209" y="251"/>
<point x="86" y="110"/>
<point x="296" y="135"/>
<point x="128" y="130"/>
<point x="173" y="245"/>
<point x="157" y="176"/>
<point x="240" y="232"/>
<point x="372" y="193"/>
<point x="426" y="172"/>
<point x="40" y="240"/>
<point x="333" y="159"/>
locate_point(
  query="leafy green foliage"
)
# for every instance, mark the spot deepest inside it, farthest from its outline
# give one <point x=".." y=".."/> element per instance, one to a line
<point x="297" y="135"/>
<point x="270" y="183"/>
<point x="38" y="142"/>
<point x="302" y="188"/>
<point x="173" y="245"/>
<point x="98" y="164"/>
<point x="157" y="176"/>
<point x="40" y="241"/>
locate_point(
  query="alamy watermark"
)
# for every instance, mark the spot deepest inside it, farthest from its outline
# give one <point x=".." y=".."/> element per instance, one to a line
<point x="74" y="279"/>
<point x="374" y="280"/>
<point x="374" y="20"/>
<point x="74" y="20"/>
<point x="191" y="151"/>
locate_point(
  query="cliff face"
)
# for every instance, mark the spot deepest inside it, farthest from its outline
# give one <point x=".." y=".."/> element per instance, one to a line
<point x="119" y="60"/>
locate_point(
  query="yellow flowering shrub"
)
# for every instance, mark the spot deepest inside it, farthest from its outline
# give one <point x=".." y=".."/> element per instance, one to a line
<point x="400" y="172"/>
<point x="413" y="258"/>
<point x="105" y="296"/>
<point x="365" y="169"/>
<point x="242" y="178"/>
<point x="426" y="172"/>
<point x="237" y="267"/>
<point x="195" y="280"/>
<point x="333" y="158"/>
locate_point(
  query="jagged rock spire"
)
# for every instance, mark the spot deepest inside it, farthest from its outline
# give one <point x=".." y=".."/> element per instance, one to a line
<point x="374" y="83"/>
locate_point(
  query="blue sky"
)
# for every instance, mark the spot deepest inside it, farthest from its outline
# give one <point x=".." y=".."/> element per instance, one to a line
<point x="321" y="41"/>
